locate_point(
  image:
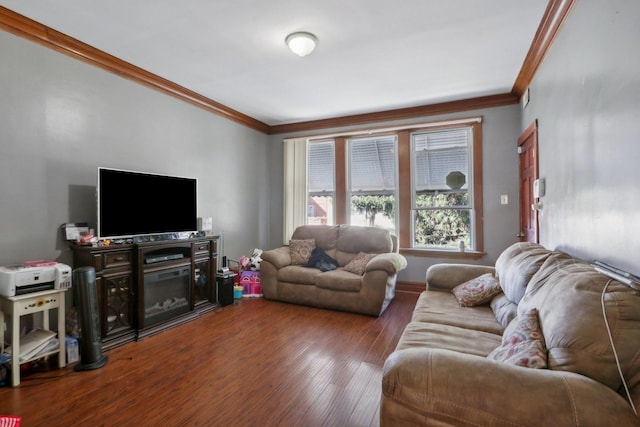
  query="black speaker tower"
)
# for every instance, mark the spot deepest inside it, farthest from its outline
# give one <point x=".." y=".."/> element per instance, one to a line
<point x="224" y="289"/>
<point x="86" y="298"/>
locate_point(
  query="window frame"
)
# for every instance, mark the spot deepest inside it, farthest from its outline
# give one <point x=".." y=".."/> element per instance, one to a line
<point x="407" y="189"/>
<point x="349" y="192"/>
<point x="404" y="176"/>
<point x="334" y="192"/>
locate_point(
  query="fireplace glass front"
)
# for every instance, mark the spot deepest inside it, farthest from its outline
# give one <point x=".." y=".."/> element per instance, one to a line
<point x="166" y="294"/>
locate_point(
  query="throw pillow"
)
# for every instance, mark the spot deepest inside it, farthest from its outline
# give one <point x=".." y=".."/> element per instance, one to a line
<point x="523" y="345"/>
<point x="359" y="263"/>
<point x="300" y="250"/>
<point x="477" y="291"/>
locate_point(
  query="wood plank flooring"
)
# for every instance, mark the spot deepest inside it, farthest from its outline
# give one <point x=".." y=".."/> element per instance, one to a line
<point x="254" y="363"/>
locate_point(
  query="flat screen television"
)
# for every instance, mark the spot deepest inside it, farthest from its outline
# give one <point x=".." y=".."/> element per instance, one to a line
<point x="139" y="204"/>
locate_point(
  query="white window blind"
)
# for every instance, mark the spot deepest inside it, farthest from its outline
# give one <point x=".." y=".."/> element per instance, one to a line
<point x="320" y="170"/>
<point x="372" y="164"/>
<point x="438" y="153"/>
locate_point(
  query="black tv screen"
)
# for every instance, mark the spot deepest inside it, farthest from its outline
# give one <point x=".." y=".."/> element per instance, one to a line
<point x="136" y="203"/>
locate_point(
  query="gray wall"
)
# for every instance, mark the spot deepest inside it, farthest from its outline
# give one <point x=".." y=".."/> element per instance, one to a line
<point x="500" y="169"/>
<point x="586" y="97"/>
<point x="60" y="119"/>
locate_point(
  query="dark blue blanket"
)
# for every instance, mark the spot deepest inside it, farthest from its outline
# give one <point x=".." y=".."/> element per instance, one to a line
<point x="320" y="260"/>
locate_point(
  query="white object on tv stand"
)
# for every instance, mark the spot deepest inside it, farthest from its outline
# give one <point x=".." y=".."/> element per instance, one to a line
<point x="36" y="302"/>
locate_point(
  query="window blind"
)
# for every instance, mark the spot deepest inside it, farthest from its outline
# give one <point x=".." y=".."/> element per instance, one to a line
<point x="320" y="169"/>
<point x="437" y="154"/>
<point x="372" y="164"/>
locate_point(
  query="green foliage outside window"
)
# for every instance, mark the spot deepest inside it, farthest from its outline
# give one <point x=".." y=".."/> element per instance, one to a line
<point x="445" y="227"/>
<point x="371" y="205"/>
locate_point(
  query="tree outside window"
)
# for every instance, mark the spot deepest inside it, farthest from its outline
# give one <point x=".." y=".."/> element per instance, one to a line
<point x="442" y="202"/>
<point x="372" y="181"/>
<point x="422" y="183"/>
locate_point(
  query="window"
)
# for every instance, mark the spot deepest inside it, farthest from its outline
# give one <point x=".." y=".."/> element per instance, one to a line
<point x="423" y="183"/>
<point x="320" y="182"/>
<point x="442" y="198"/>
<point x="372" y="181"/>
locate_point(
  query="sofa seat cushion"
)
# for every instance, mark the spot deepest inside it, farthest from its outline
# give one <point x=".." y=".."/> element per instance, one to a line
<point x="443" y="308"/>
<point x="339" y="280"/>
<point x="446" y="337"/>
<point x="298" y="274"/>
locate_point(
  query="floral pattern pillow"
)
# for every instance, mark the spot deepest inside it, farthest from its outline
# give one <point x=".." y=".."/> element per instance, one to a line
<point x="359" y="263"/>
<point x="300" y="250"/>
<point x="523" y="344"/>
<point x="477" y="291"/>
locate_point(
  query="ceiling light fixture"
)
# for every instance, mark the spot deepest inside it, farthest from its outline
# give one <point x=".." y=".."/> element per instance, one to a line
<point x="301" y="43"/>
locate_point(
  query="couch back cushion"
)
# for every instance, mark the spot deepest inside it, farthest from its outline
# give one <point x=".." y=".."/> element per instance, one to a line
<point x="516" y="265"/>
<point x="326" y="236"/>
<point x="567" y="294"/>
<point x="353" y="239"/>
<point x="504" y="310"/>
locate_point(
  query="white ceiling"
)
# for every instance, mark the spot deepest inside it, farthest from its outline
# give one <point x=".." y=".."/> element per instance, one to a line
<point x="372" y="55"/>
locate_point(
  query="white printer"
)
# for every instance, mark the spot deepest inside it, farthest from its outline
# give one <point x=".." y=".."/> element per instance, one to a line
<point x="23" y="279"/>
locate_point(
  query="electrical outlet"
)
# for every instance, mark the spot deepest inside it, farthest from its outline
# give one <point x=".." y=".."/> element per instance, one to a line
<point x="504" y="199"/>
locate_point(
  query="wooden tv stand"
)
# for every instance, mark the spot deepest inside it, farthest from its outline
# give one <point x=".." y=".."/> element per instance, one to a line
<point x="120" y="280"/>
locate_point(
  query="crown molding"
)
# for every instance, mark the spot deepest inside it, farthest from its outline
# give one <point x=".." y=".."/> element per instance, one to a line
<point x="24" y="27"/>
<point x="399" y="114"/>
<point x="554" y="17"/>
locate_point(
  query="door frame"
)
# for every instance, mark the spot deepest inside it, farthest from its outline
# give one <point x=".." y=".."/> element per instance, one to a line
<point x="530" y="132"/>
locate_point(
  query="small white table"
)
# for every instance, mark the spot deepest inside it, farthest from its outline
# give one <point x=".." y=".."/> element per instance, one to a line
<point x="22" y="305"/>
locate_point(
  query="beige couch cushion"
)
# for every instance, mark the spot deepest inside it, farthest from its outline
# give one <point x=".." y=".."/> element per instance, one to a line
<point x="339" y="280"/>
<point x="298" y="274"/>
<point x="567" y="294"/>
<point x="516" y="265"/>
<point x="503" y="309"/>
<point x="445" y="337"/>
<point x="353" y="239"/>
<point x="326" y="236"/>
<point x="443" y="308"/>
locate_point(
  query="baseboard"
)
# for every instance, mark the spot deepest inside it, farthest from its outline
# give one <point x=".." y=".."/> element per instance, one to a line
<point x="413" y="287"/>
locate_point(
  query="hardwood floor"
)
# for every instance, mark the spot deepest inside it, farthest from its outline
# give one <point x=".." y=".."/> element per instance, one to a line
<point x="254" y="363"/>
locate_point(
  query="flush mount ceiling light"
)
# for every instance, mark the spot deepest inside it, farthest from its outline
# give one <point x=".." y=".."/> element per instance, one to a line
<point x="301" y="43"/>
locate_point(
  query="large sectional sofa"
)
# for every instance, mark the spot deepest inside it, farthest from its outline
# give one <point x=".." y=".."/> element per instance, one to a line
<point x="444" y="369"/>
<point x="368" y="291"/>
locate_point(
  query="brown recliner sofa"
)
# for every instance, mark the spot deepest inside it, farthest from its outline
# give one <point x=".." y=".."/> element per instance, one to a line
<point x="440" y="373"/>
<point x="369" y="293"/>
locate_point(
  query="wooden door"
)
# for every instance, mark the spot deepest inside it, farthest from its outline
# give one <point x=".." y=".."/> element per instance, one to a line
<point x="528" y="160"/>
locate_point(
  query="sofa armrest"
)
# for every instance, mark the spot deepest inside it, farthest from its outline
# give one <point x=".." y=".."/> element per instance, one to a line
<point x="434" y="386"/>
<point x="392" y="263"/>
<point x="448" y="276"/>
<point x="279" y="257"/>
